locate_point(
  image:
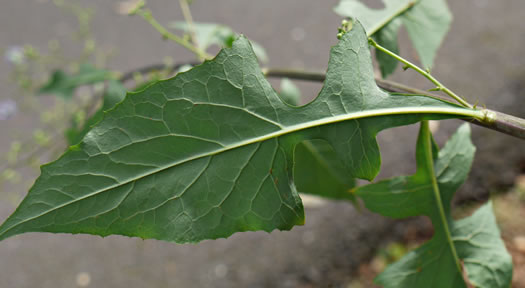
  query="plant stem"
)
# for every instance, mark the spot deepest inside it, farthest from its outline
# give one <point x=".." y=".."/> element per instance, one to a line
<point x="186" y="12"/>
<point x="294" y="74"/>
<point x="387" y="20"/>
<point x="505" y="123"/>
<point x="427" y="143"/>
<point x="146" y="14"/>
<point x="439" y="86"/>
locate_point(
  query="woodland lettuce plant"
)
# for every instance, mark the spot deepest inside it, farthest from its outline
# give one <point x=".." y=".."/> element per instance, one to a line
<point x="215" y="150"/>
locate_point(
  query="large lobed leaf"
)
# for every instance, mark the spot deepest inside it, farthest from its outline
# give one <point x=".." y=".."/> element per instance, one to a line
<point x="210" y="152"/>
<point x="317" y="170"/>
<point x="427" y="23"/>
<point x="475" y="239"/>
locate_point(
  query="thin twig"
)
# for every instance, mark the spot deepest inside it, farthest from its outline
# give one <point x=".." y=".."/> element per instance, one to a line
<point x="426" y="74"/>
<point x="186" y="12"/>
<point x="146" y="14"/>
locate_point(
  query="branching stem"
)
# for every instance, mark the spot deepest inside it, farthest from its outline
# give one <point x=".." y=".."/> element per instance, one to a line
<point x="426" y="74"/>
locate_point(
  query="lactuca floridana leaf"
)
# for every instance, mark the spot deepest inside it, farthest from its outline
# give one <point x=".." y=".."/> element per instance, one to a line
<point x="64" y="85"/>
<point x="427" y="23"/>
<point x="475" y="240"/>
<point x="317" y="170"/>
<point x="210" y="152"/>
<point x="374" y="19"/>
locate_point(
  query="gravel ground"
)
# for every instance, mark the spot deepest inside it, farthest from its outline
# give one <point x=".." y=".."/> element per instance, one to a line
<point x="482" y="58"/>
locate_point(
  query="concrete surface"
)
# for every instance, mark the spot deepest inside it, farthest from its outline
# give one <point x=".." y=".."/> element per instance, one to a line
<point x="482" y="59"/>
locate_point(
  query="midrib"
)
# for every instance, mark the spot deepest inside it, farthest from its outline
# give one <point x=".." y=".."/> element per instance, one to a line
<point x="286" y="130"/>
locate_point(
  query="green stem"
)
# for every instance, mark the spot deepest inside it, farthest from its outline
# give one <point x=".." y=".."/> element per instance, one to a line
<point x="439" y="86"/>
<point x="186" y="12"/>
<point x="427" y="143"/>
<point x="387" y="20"/>
<point x="146" y="14"/>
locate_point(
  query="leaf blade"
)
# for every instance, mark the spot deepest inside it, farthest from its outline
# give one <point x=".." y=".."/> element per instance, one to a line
<point x="427" y="23"/>
<point x="166" y="162"/>
<point x="436" y="258"/>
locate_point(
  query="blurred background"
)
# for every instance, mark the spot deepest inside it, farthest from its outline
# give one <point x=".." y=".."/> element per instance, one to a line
<point x="340" y="246"/>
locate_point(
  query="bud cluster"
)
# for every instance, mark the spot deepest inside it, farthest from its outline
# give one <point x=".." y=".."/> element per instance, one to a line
<point x="345" y="27"/>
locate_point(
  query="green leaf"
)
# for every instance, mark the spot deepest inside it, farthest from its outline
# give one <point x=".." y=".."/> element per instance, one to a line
<point x="479" y="245"/>
<point x="427" y="23"/>
<point x="388" y="37"/>
<point x="318" y="171"/>
<point x="475" y="239"/>
<point x="211" y="34"/>
<point x="64" y="85"/>
<point x="289" y="92"/>
<point x="114" y="93"/>
<point x="374" y="19"/>
<point x="259" y="50"/>
<point x="210" y="152"/>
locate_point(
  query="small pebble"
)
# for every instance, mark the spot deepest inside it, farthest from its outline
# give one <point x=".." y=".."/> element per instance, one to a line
<point x="298" y="34"/>
<point x="221" y="270"/>
<point x="83" y="279"/>
<point x="519" y="242"/>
